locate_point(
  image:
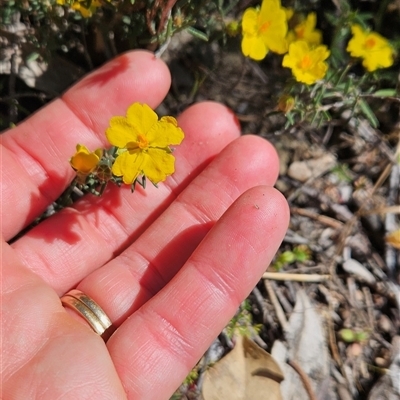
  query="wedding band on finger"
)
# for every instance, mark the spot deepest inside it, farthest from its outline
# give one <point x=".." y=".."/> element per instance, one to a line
<point x="88" y="309"/>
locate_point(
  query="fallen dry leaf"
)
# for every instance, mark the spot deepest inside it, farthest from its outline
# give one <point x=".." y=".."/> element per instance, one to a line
<point x="247" y="372"/>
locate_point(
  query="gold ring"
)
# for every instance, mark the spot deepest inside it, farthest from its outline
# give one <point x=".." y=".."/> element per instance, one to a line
<point x="88" y="309"/>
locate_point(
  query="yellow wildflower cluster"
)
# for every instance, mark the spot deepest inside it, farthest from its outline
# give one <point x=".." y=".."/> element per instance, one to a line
<point x="141" y="149"/>
<point x="271" y="27"/>
<point x="266" y="29"/>
<point x="82" y="6"/>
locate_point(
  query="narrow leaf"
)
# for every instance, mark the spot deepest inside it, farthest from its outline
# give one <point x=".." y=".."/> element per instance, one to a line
<point x="369" y="114"/>
<point x="197" y="34"/>
<point x="385" y="93"/>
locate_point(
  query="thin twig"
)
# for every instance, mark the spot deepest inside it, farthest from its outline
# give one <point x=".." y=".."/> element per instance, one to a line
<point x="304" y="379"/>
<point x="278" y="309"/>
<point x="332" y="343"/>
<point x="280" y="276"/>
<point x="382" y="210"/>
<point x="370" y="307"/>
<point x="282" y="299"/>
<point x="333" y="223"/>
<point x="259" y="299"/>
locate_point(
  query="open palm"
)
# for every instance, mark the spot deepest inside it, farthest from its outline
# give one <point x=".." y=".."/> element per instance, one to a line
<point x="169" y="266"/>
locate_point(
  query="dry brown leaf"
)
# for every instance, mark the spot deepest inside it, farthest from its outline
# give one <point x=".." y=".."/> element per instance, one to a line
<point x="393" y="239"/>
<point x="247" y="372"/>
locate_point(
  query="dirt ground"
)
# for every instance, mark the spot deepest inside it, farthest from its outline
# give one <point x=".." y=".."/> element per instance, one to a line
<point x="342" y="184"/>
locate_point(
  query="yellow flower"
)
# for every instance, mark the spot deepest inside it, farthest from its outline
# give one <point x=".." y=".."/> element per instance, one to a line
<point x="306" y="31"/>
<point x="372" y="47"/>
<point x="307" y="63"/>
<point x="264" y="29"/>
<point x="85" y="161"/>
<point x="143" y="141"/>
<point x="78" y="5"/>
<point x="289" y="12"/>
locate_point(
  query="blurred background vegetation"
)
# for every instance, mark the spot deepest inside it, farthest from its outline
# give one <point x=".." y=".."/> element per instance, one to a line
<point x="47" y="45"/>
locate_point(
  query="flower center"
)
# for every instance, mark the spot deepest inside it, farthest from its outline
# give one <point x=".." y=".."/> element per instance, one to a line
<point x="265" y="26"/>
<point x="370" y="43"/>
<point x="143" y="143"/>
<point x="305" y="62"/>
<point x="300" y="33"/>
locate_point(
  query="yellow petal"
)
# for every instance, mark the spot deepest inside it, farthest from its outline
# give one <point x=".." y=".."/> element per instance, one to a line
<point x="254" y="47"/>
<point x="320" y="53"/>
<point x="128" y="165"/>
<point x="82" y="148"/>
<point x="165" y="133"/>
<point x="288" y="12"/>
<point x="278" y="44"/>
<point x="272" y="22"/>
<point x="249" y="21"/>
<point x="158" y="165"/>
<point x="121" y="132"/>
<point x="99" y="153"/>
<point x="269" y="7"/>
<point x="141" y="117"/>
<point x="306" y="30"/>
<point x="86" y="12"/>
<point x="356" y="45"/>
<point x="83" y="160"/>
<point x="356" y="30"/>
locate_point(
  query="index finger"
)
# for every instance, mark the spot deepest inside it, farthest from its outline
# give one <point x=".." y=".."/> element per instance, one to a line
<point x="34" y="155"/>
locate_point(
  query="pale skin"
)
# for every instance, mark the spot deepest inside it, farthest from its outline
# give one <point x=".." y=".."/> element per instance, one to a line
<point x="169" y="266"/>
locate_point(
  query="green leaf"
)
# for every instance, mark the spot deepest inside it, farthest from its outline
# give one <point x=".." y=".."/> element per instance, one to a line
<point x="331" y="18"/>
<point x="347" y="335"/>
<point x="369" y="114"/>
<point x="197" y="34"/>
<point x="326" y="115"/>
<point x="361" y="336"/>
<point x="32" y="56"/>
<point x="362" y="18"/>
<point x="385" y="93"/>
<point x="287" y="257"/>
<point x="302" y="253"/>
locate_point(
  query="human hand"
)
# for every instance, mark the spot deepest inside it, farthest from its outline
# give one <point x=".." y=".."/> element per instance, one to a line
<point x="169" y="266"/>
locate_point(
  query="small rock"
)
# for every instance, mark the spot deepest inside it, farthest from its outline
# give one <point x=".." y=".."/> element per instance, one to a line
<point x="385" y="324"/>
<point x="304" y="170"/>
<point x="345" y="193"/>
<point x="355" y="268"/>
<point x="381" y="362"/>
